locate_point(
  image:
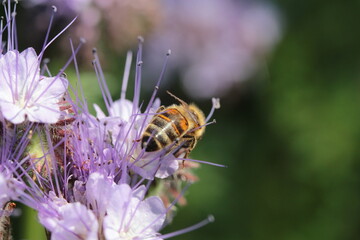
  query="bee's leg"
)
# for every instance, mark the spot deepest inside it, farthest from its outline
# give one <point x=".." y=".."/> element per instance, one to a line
<point x="188" y="144"/>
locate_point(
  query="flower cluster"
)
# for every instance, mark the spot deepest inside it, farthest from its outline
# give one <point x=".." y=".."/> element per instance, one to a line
<point x="88" y="177"/>
<point x="99" y="19"/>
<point x="226" y="42"/>
<point x="115" y="211"/>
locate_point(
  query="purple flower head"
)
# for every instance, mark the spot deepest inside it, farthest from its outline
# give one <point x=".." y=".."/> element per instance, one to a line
<point x="112" y="141"/>
<point x="130" y="216"/>
<point x="104" y="19"/>
<point x="110" y="211"/>
<point x="65" y="220"/>
<point x="24" y="93"/>
<point x="88" y="177"/>
<point x="125" y="129"/>
<point x="29" y="103"/>
<point x="213" y="54"/>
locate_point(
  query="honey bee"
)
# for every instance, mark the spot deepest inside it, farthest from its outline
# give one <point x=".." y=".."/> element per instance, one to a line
<point x="175" y="128"/>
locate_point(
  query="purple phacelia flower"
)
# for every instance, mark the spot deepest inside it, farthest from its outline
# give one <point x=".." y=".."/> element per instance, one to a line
<point x="71" y="221"/>
<point x="110" y="211"/>
<point x="103" y="19"/>
<point x="130" y="216"/>
<point x="113" y="140"/>
<point x="24" y="93"/>
<point x="216" y="44"/>
<point x="125" y="127"/>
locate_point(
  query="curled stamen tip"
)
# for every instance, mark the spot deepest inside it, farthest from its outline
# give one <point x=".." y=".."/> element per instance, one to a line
<point x="168" y="52"/>
<point x="16" y="1"/>
<point x="54" y="8"/>
<point x="140" y="63"/>
<point x="141" y="39"/>
<point x="82" y="40"/>
<point x="216" y="102"/>
<point x="214" y="121"/>
<point x="94" y="50"/>
<point x="46" y="60"/>
<point x="211" y="218"/>
<point x="13" y="14"/>
<point x="93" y="62"/>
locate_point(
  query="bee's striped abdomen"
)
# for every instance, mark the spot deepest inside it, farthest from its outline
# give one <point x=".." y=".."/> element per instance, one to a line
<point x="164" y="129"/>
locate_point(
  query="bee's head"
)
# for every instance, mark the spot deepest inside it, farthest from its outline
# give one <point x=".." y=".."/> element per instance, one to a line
<point x="196" y="114"/>
<point x="198" y="117"/>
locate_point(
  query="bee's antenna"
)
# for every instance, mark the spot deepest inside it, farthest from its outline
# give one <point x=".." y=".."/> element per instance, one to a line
<point x="181" y="101"/>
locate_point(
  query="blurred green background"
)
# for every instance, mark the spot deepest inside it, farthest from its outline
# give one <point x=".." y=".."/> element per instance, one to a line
<point x="289" y="134"/>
